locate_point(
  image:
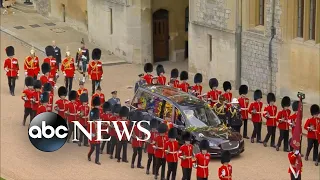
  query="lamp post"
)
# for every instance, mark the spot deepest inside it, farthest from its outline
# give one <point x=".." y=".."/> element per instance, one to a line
<point x="28" y="2"/>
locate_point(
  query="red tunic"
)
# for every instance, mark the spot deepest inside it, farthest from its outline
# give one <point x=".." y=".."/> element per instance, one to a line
<point x="148" y="78"/>
<point x="11" y="66"/>
<point x="135" y="141"/>
<point x="318" y="132"/>
<point x="225" y="171"/>
<point x="95" y="70"/>
<point x="44" y="79"/>
<point x="284" y="114"/>
<point x="52" y="62"/>
<point x="197" y="89"/>
<point x="172" y="151"/>
<point x="244" y="104"/>
<point x="153" y="136"/>
<point x="294" y="161"/>
<point x="228" y="98"/>
<point x="61" y="107"/>
<point x="257" y="116"/>
<point x="31" y="66"/>
<point x="41" y="109"/>
<point x="214" y="96"/>
<point x="112" y="131"/>
<point x="161" y="80"/>
<point x="159" y="143"/>
<point x="176" y="83"/>
<point x="202" y="162"/>
<point x="184" y="86"/>
<point x="50" y="103"/>
<point x="27" y="93"/>
<point x="102" y="98"/>
<point x="272" y="112"/>
<point x="186" y="150"/>
<point x="105" y="117"/>
<point x="79" y="92"/>
<point x="293" y="119"/>
<point x="68" y="68"/>
<point x="83" y="111"/>
<point x="36" y="100"/>
<point x="72" y="108"/>
<point x="93" y="133"/>
<point x="314" y="122"/>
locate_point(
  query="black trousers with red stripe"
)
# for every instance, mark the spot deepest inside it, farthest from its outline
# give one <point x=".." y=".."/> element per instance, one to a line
<point x="94" y="147"/>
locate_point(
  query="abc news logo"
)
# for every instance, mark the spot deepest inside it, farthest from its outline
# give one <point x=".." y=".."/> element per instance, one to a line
<point x="48" y="131"/>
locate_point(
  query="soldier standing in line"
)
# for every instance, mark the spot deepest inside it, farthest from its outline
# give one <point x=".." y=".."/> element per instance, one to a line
<point x="106" y="116"/>
<point x="53" y="76"/>
<point x="95" y="69"/>
<point x="174" y="78"/>
<point x="44" y="99"/>
<point x="270" y="113"/>
<point x="137" y="143"/>
<point x="283" y="123"/>
<point x="99" y="94"/>
<point x="62" y="102"/>
<point x="139" y="83"/>
<point x="114" y="99"/>
<point x="44" y="78"/>
<point x="244" y="104"/>
<point x="48" y="88"/>
<point x="31" y="65"/>
<point x="159" y="143"/>
<point x="36" y="97"/>
<point x="214" y="94"/>
<point x="123" y="142"/>
<point x="225" y="170"/>
<point x="81" y="90"/>
<point x="27" y="97"/>
<point x="171" y="147"/>
<point x="185" y="154"/>
<point x="227" y="93"/>
<point x="293" y="118"/>
<point x="82" y="59"/>
<point x="148" y="69"/>
<point x="197" y="88"/>
<point x="83" y="111"/>
<point x="11" y="66"/>
<point x="115" y="116"/>
<point x="161" y="79"/>
<point x="311" y="126"/>
<point x="71" y="113"/>
<point x="202" y="160"/>
<point x="94" y="143"/>
<point x="68" y="70"/>
<point x="184" y="86"/>
<point x="150" y="149"/>
<point x="255" y="110"/>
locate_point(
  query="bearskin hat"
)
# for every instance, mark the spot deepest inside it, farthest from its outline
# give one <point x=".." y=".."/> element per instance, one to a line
<point x="10" y="51"/>
<point x="162" y="128"/>
<point x="106" y="106"/>
<point x="84" y="97"/>
<point x="37" y="84"/>
<point x="160" y="69"/>
<point x="226" y="85"/>
<point x="72" y="95"/>
<point x="197" y="78"/>
<point x="47" y="87"/>
<point x="28" y="81"/>
<point x="174" y="73"/>
<point x="62" y="91"/>
<point x="295" y="106"/>
<point x="148" y="68"/>
<point x="45" y="68"/>
<point x="213" y="82"/>
<point x="184" y="76"/>
<point x="116" y="109"/>
<point x="94" y="114"/>
<point x="243" y="89"/>
<point x="314" y="109"/>
<point x="124" y="111"/>
<point x="257" y="94"/>
<point x="285" y="102"/>
<point x="172" y="133"/>
<point x="225" y="157"/>
<point x="186" y="136"/>
<point x="49" y="51"/>
<point x="96" y="54"/>
<point x="271" y="98"/>
<point x="44" y="97"/>
<point x="204" y="144"/>
<point x="153" y="123"/>
<point x="96" y="101"/>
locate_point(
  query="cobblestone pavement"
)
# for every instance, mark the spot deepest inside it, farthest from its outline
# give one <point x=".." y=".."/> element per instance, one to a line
<point x="21" y="161"/>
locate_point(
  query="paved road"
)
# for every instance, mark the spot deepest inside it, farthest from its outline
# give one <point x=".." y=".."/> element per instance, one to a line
<point x="21" y="161"/>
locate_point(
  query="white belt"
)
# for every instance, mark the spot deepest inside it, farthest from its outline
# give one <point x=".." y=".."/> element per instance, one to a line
<point x="202" y="166"/>
<point x="173" y="152"/>
<point x="272" y="117"/>
<point x="72" y="114"/>
<point x="60" y="109"/>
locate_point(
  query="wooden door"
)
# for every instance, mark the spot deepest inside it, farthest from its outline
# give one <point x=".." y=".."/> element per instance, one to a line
<point x="160" y="35"/>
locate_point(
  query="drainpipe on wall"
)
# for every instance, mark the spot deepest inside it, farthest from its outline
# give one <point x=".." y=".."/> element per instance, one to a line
<point x="273" y="33"/>
<point x="238" y="42"/>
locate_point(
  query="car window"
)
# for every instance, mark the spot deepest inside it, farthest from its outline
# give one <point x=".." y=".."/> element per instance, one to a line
<point x="203" y="114"/>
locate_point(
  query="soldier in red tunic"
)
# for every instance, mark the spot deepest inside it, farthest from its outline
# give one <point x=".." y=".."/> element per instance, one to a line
<point x="83" y="111"/>
<point x="31" y="65"/>
<point x="95" y="69"/>
<point x="99" y="94"/>
<point x="174" y="78"/>
<point x="61" y="103"/>
<point x="184" y="86"/>
<point x="44" y="78"/>
<point x="36" y="97"/>
<point x="11" y="66"/>
<point x="255" y="110"/>
<point x="185" y="154"/>
<point x="311" y="126"/>
<point x="68" y="70"/>
<point x="227" y="93"/>
<point x="52" y="62"/>
<point x="27" y="97"/>
<point x="150" y="149"/>
<point x="244" y="104"/>
<point x="114" y="141"/>
<point x="106" y="116"/>
<point x="71" y="113"/>
<point x="171" y="147"/>
<point x="123" y="142"/>
<point x="295" y="168"/>
<point x="270" y="113"/>
<point x="197" y="88"/>
<point x="137" y="137"/>
<point x="44" y="99"/>
<point x="213" y="95"/>
<point x="148" y="69"/>
<point x="283" y="123"/>
<point x="161" y="78"/>
<point x="225" y="170"/>
<point x="318" y="136"/>
<point x="202" y="160"/>
<point x="81" y="90"/>
<point x="94" y="143"/>
<point x="48" y="88"/>
<point x="159" y="143"/>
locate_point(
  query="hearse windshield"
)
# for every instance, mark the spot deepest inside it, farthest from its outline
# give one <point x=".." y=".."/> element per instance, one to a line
<point x="200" y="116"/>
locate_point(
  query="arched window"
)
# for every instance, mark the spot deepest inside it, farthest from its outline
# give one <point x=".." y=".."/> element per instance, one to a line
<point x="186" y="19"/>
